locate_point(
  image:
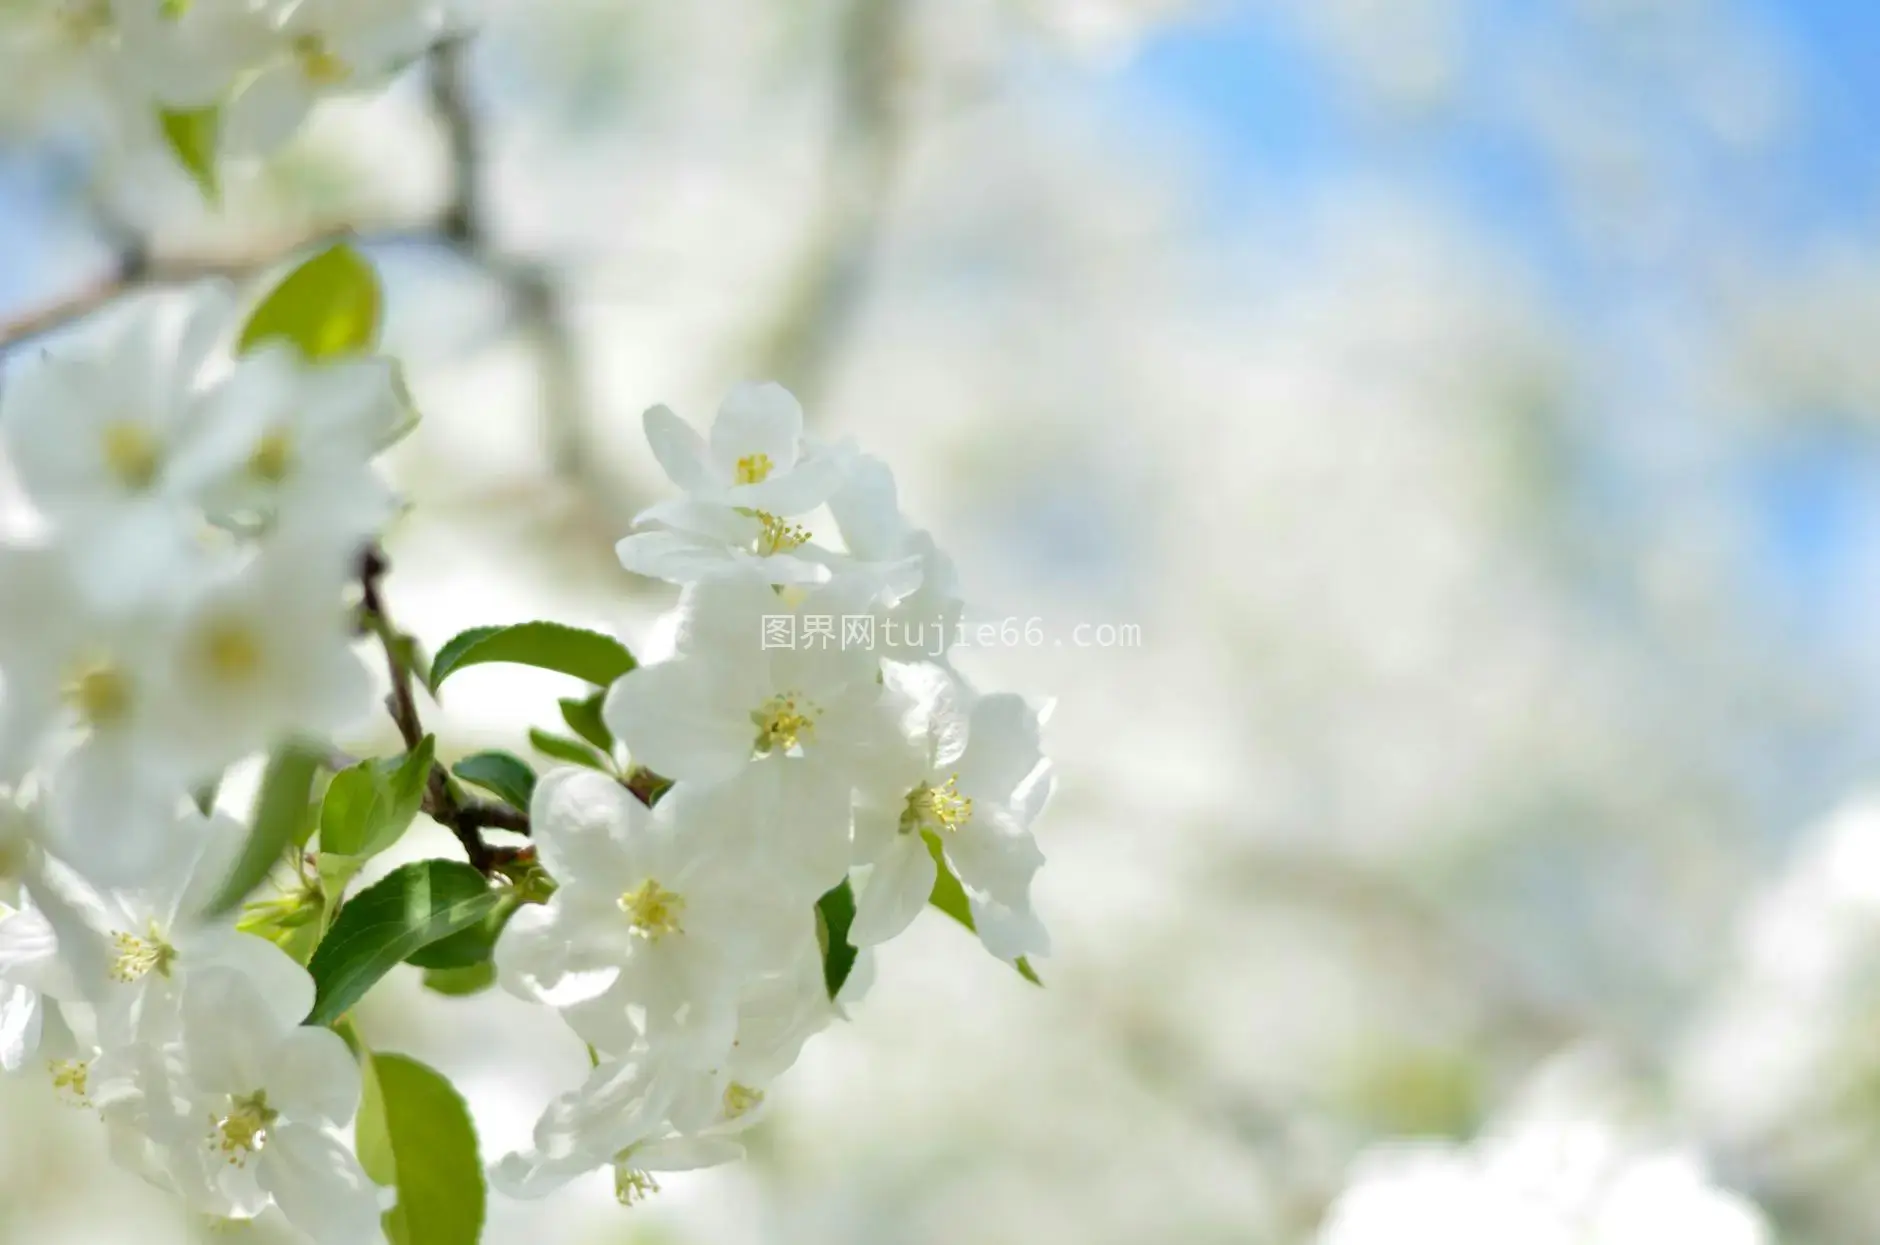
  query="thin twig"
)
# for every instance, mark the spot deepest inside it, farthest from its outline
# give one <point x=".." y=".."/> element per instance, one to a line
<point x="137" y="270"/>
<point x="464" y="818"/>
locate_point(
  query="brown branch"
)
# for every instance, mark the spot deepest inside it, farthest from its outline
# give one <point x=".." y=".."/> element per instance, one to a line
<point x="137" y="270"/>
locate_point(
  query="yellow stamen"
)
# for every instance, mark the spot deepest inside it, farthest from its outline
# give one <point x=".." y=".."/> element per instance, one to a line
<point x="653" y="910"/>
<point x="741" y="1100"/>
<point x="231" y="650"/>
<point x="940" y="808"/>
<point x="784" y="722"/>
<point x="101" y="692"/>
<point x="778" y="535"/>
<point x="754" y="469"/>
<point x="72" y="1079"/>
<point x="243" y="1132"/>
<point x="632" y="1187"/>
<point x="318" y="63"/>
<point x="137" y="958"/>
<point x="132" y="453"/>
<point x="273" y="457"/>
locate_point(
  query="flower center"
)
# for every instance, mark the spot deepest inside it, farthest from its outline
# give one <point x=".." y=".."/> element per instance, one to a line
<point x="653" y="911"/>
<point x="273" y="457"/>
<point x="741" y="1100"/>
<point x="784" y="722"/>
<point x="940" y="808"/>
<point x="778" y="535"/>
<point x="132" y="454"/>
<point x="243" y="1132"/>
<point x="754" y="468"/>
<point x="101" y="692"/>
<point x="317" y="61"/>
<point x="631" y="1187"/>
<point x="71" y="1078"/>
<point x="231" y="651"/>
<point x="137" y="958"/>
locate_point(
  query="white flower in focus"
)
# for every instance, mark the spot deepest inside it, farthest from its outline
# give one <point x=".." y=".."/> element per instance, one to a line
<point x="653" y="925"/>
<point x="324" y="48"/>
<point x="973" y="792"/>
<point x="97" y="433"/>
<point x="243" y="1111"/>
<point x="742" y="491"/>
<point x="765" y="737"/>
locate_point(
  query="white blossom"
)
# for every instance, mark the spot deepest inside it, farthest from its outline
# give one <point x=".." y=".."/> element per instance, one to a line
<point x="242" y="1111"/>
<point x="743" y="491"/>
<point x="973" y="790"/>
<point x="653" y="926"/>
<point x="769" y="740"/>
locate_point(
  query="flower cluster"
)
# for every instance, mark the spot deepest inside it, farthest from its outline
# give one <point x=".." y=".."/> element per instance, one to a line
<point x="687" y="942"/>
<point x="240" y="75"/>
<point x="178" y="605"/>
<point x="704" y="887"/>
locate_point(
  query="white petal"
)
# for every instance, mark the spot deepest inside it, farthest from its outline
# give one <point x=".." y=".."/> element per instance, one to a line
<point x="534" y="960"/>
<point x="675" y="557"/>
<point x="757" y="419"/>
<point x="867" y="512"/>
<point x="1002" y="747"/>
<point x="22" y="1015"/>
<point x="29" y="953"/>
<point x="1009" y="932"/>
<point x="896" y="890"/>
<point x="680" y="451"/>
<point x="266" y="112"/>
<point x="319" y="1186"/>
<point x="281" y="986"/>
<point x="995" y="856"/>
<point x="677" y="719"/>
<point x="583" y="825"/>
<point x="312" y="1076"/>
<point x="684" y="1154"/>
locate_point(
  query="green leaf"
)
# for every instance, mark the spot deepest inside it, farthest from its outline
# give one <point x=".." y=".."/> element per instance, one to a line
<point x="193" y="135"/>
<point x="503" y="773"/>
<point x="600" y="659"/>
<point x="280" y="811"/>
<point x="328" y="307"/>
<point x="415" y="1134"/>
<point x="950" y="897"/>
<point x="369" y="807"/>
<point x="459" y="983"/>
<point x="584" y="719"/>
<point x="385" y="924"/>
<point x="835" y="914"/>
<point x="572" y="751"/>
<point x="472" y="945"/>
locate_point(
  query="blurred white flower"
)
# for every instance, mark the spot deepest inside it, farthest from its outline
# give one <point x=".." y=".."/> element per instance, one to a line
<point x="274" y="1097"/>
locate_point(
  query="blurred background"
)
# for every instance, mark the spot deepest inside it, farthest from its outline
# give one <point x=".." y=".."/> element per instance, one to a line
<point x="1462" y="413"/>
